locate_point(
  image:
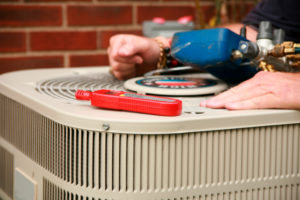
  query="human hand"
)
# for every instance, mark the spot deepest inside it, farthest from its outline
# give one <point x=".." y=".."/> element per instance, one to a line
<point x="264" y="90"/>
<point x="131" y="55"/>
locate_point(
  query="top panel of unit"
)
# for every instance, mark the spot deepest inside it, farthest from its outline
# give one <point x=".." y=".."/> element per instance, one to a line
<point x="50" y="92"/>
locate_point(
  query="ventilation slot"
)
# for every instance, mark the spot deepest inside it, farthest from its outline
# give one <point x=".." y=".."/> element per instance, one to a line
<point x="139" y="163"/>
<point x="6" y="172"/>
<point x="64" y="88"/>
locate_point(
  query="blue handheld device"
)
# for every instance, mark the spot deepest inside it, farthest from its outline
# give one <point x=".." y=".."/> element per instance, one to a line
<point x="211" y="50"/>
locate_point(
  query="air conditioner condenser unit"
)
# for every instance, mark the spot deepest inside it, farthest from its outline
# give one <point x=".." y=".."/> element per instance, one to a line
<point x="54" y="147"/>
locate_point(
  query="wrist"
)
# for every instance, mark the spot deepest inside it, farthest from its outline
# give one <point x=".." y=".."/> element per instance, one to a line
<point x="165" y="41"/>
<point x="165" y="59"/>
<point x="162" y="44"/>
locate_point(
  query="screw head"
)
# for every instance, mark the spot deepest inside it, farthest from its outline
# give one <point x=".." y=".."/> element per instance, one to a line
<point x="243" y="46"/>
<point x="106" y="127"/>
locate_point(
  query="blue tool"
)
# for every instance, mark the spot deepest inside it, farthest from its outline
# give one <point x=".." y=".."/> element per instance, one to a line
<point x="212" y="50"/>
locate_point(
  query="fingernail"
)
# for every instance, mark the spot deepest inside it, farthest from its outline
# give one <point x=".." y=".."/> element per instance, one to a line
<point x="203" y="104"/>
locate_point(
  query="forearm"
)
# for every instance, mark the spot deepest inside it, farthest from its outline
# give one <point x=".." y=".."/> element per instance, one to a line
<point x="251" y="32"/>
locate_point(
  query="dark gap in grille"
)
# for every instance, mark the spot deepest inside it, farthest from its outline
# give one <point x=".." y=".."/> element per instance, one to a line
<point x="93" y="161"/>
<point x="87" y="159"/>
<point x="106" y="162"/>
<point x="120" y="164"/>
<point x="113" y="166"/>
<point x="82" y="158"/>
<point x="77" y="144"/>
<point x="72" y="156"/>
<point x="65" y="154"/>
<point x="99" y="160"/>
<point x="68" y="156"/>
<point x="126" y="164"/>
<point x="134" y="138"/>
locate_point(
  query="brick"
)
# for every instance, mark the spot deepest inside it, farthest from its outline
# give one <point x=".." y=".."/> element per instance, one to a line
<point x="33" y="15"/>
<point x="89" y="60"/>
<point x="183" y="0"/>
<point x="208" y="12"/>
<point x="63" y="40"/>
<point x="58" y="0"/>
<point x="12" y="42"/>
<point x="10" y="1"/>
<point x="135" y="0"/>
<point x="82" y="15"/>
<point x="167" y="12"/>
<point x="11" y="63"/>
<point x="240" y="11"/>
<point x="106" y="35"/>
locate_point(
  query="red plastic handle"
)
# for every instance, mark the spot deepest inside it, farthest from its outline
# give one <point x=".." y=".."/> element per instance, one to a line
<point x="120" y="100"/>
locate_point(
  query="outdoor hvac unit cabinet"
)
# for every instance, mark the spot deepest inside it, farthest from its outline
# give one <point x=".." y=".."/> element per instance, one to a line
<point x="53" y="147"/>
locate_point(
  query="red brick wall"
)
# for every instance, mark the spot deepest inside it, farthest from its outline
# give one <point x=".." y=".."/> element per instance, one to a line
<point x="72" y="33"/>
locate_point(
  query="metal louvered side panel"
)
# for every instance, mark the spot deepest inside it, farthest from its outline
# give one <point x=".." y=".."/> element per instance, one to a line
<point x="248" y="154"/>
<point x="148" y="163"/>
<point x="162" y="162"/>
<point x="53" y="192"/>
<point x="6" y="172"/>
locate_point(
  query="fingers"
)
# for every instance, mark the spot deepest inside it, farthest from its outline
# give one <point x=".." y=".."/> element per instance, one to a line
<point x="123" y="75"/>
<point x="258" y="102"/>
<point x="126" y="46"/>
<point x="123" y="55"/>
<point x="234" y="94"/>
<point x="122" y="71"/>
<point x="245" y="95"/>
<point x="125" y="52"/>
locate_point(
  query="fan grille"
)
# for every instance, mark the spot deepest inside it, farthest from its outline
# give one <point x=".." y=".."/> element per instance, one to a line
<point x="64" y="88"/>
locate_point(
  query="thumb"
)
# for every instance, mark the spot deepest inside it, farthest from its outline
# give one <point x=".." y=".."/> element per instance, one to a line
<point x="130" y="50"/>
<point x="127" y="50"/>
<point x="135" y="45"/>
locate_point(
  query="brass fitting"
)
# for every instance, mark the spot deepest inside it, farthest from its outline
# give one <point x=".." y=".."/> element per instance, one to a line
<point x="263" y="65"/>
<point x="283" y="49"/>
<point x="293" y="57"/>
<point x="236" y="55"/>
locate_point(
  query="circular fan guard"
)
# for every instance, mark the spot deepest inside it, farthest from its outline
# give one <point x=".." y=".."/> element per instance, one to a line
<point x="64" y="88"/>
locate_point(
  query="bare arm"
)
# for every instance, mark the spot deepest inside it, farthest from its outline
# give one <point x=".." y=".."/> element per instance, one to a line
<point x="251" y="33"/>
